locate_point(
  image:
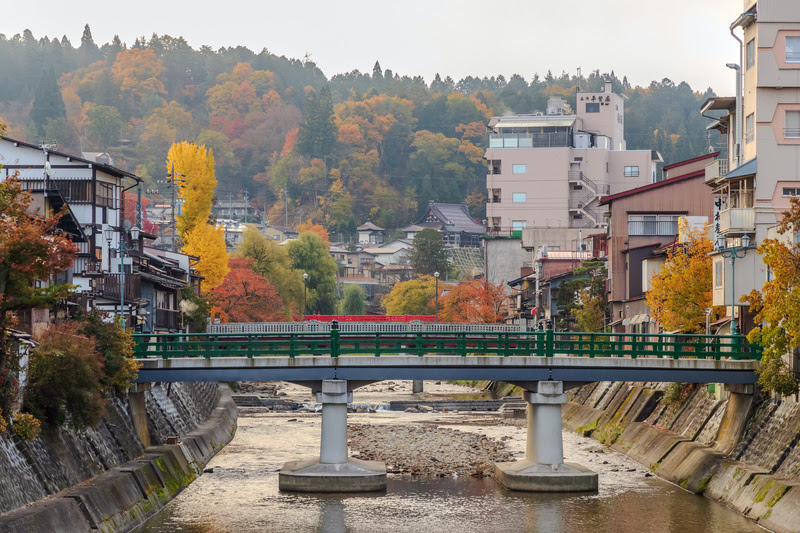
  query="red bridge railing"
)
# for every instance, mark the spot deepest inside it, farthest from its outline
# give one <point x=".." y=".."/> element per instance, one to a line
<point x="372" y="318"/>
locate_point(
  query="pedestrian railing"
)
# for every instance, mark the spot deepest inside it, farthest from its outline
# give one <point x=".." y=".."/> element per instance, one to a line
<point x="335" y="343"/>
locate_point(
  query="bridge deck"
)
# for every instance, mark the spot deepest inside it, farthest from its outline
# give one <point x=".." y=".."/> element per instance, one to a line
<point x="514" y="368"/>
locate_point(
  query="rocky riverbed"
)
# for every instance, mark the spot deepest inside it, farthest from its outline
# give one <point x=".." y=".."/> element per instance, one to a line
<point x="427" y="450"/>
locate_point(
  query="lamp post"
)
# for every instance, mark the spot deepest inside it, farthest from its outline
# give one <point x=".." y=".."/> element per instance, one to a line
<point x="732" y="253"/>
<point x="305" y="294"/>
<point x="436" y="275"/>
<point x="108" y="233"/>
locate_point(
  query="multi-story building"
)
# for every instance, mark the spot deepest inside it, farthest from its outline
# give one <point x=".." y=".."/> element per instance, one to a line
<point x="642" y="221"/>
<point x="753" y="185"/>
<point x="549" y="171"/>
<point x="92" y="193"/>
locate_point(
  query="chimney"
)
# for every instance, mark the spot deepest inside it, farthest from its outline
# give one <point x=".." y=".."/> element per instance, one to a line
<point x="608" y="87"/>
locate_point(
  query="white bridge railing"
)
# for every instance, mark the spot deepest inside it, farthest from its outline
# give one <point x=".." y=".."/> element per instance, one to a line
<point x="314" y="326"/>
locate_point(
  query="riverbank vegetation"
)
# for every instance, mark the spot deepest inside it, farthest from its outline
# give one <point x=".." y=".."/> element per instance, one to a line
<point x="777" y="305"/>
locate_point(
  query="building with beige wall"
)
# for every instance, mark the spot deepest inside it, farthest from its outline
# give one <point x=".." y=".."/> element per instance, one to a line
<point x="762" y="172"/>
<point x="549" y="171"/>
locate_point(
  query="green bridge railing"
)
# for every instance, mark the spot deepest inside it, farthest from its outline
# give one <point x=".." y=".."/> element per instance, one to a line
<point x="529" y="343"/>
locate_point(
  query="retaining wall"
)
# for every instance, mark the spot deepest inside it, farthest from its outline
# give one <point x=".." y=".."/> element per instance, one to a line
<point x="737" y="451"/>
<point x="104" y="479"/>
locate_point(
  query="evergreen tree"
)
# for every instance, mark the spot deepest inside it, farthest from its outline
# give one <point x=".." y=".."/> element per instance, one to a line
<point x="317" y="136"/>
<point x="428" y="253"/>
<point x="47" y="103"/>
<point x="89" y="51"/>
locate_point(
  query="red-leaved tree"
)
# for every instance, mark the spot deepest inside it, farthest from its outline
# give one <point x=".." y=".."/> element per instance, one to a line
<point x="476" y="302"/>
<point x="244" y="296"/>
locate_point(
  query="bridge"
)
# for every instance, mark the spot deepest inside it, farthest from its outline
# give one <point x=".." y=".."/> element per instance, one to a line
<point x="334" y="360"/>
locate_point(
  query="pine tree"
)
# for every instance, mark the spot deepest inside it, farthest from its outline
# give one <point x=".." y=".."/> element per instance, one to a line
<point x="317" y="136"/>
<point x="47" y="102"/>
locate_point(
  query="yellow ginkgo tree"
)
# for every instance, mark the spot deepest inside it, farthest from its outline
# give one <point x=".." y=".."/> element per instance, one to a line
<point x="194" y="173"/>
<point x="682" y="290"/>
<point x="193" y="168"/>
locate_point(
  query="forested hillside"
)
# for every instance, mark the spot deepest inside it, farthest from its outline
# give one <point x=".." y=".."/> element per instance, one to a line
<point x="339" y="151"/>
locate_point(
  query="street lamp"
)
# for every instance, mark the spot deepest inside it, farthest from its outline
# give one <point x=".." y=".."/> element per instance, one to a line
<point x="305" y="294"/>
<point x="436" y="275"/>
<point x="732" y="253"/>
<point x="108" y="233"/>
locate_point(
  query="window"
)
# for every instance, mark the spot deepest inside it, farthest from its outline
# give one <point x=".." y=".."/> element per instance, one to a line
<point x="653" y="224"/>
<point x="519" y="169"/>
<point x="749" y="127"/>
<point x="751" y="53"/>
<point x="105" y="195"/>
<point x="793" y="49"/>
<point x="718" y="279"/>
<point x="791" y="191"/>
<point x="496" y="196"/>
<point x="519" y="197"/>
<point x="631" y="172"/>
<point x="518" y="225"/>
<point x="593" y="107"/>
<point x="494" y="166"/>
<point x="792" y="126"/>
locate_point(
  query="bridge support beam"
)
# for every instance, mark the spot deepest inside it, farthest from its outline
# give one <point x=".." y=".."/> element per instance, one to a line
<point x="333" y="470"/>
<point x="544" y="469"/>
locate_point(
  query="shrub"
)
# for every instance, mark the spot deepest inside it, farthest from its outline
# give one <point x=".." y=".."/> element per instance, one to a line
<point x="677" y="393"/>
<point x="65" y="376"/>
<point x="115" y="345"/>
<point x="3" y="423"/>
<point x="27" y="426"/>
<point x="609" y="434"/>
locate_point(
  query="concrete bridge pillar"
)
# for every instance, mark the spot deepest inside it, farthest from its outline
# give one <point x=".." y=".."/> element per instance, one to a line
<point x="544" y="469"/>
<point x="333" y="470"/>
<point x="333" y="439"/>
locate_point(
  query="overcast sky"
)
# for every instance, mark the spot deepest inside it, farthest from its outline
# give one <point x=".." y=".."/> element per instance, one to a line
<point x="684" y="40"/>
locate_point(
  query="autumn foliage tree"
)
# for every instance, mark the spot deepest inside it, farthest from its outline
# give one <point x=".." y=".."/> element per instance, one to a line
<point x="413" y="297"/>
<point x="681" y="291"/>
<point x="777" y="306"/>
<point x="30" y="248"/>
<point x="474" y="302"/>
<point x="194" y="170"/>
<point x="273" y="263"/>
<point x="208" y="243"/>
<point x="244" y="296"/>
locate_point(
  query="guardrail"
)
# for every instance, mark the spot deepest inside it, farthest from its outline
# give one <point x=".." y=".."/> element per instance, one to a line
<point x="335" y="343"/>
<point x="355" y="327"/>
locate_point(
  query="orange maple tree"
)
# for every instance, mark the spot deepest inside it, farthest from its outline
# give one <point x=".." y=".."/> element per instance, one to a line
<point x="316" y="229"/>
<point x="244" y="296"/>
<point x="476" y="302"/>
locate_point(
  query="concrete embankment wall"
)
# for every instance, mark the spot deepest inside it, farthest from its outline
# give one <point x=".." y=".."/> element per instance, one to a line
<point x="106" y="479"/>
<point x="736" y="450"/>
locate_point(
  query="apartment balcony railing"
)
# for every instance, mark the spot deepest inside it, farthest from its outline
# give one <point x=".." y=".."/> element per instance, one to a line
<point x="558" y="139"/>
<point x="737" y="219"/>
<point x="716" y="169"/>
<point x="495" y="231"/>
<point x="168" y="319"/>
<point x="791" y="133"/>
<point x="107" y="286"/>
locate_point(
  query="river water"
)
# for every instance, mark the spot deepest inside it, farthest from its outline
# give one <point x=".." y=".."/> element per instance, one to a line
<point x="241" y="493"/>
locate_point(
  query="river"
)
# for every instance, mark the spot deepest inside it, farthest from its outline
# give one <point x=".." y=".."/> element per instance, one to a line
<point x="241" y="493"/>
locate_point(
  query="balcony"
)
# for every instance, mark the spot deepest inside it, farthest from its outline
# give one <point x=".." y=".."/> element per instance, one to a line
<point x="716" y="169"/>
<point x="557" y="139"/>
<point x="737" y="220"/>
<point x="107" y="286"/>
<point x="169" y="319"/>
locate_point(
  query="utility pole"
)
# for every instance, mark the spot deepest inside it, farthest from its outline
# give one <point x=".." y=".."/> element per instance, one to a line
<point x="246" y="196"/>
